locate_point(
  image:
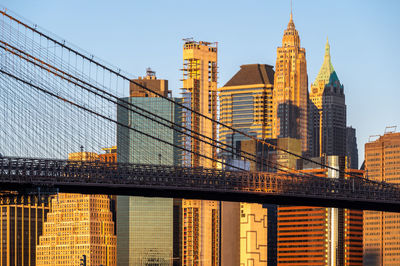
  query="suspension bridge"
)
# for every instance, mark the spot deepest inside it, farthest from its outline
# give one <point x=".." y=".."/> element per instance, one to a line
<point x="55" y="98"/>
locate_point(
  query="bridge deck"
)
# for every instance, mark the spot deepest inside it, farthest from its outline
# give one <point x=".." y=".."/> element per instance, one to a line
<point x="196" y="183"/>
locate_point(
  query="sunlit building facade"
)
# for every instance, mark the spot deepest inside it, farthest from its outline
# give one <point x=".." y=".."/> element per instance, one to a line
<point x="290" y="95"/>
<point x="246" y="103"/>
<point x="159" y="86"/>
<point x="382" y="229"/>
<point x="78" y="225"/>
<point x="253" y="235"/>
<point x="288" y="161"/>
<point x="318" y="235"/>
<point x="21" y="224"/>
<point x="200" y="218"/>
<point x="328" y="104"/>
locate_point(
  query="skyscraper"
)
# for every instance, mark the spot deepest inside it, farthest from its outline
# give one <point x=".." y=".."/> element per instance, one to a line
<point x="200" y="218"/>
<point x="320" y="236"/>
<point x="78" y="225"/>
<point x="290" y="115"/>
<point x="381" y="229"/>
<point x="351" y="147"/>
<point x="246" y="103"/>
<point x="146" y="226"/>
<point x="21" y="224"/>
<point x="327" y="96"/>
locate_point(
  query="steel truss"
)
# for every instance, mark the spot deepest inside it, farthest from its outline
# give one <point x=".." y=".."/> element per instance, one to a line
<point x="185" y="182"/>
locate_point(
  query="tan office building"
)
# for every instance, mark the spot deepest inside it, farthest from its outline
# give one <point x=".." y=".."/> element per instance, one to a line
<point x="150" y="81"/>
<point x="78" y="225"/>
<point x="246" y="103"/>
<point x="382" y="229"/>
<point x="290" y="116"/>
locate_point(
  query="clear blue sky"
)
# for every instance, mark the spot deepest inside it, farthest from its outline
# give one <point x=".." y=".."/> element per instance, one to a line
<point x="364" y="38"/>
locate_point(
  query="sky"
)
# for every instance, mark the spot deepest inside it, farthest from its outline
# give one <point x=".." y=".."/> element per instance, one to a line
<point x="364" y="37"/>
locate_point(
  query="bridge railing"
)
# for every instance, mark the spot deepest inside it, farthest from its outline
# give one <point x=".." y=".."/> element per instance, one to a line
<point x="49" y="172"/>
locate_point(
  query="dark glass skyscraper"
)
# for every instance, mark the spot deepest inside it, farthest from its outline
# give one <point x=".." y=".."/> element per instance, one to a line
<point x="351" y="147"/>
<point x="146" y="227"/>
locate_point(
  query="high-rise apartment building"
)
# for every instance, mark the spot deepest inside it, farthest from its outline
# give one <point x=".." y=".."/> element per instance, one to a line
<point x="200" y="218"/>
<point x="351" y="147"/>
<point x="246" y="103"/>
<point x="320" y="236"/>
<point x="290" y="94"/>
<point x="382" y="229"/>
<point x="78" y="225"/>
<point x="21" y="224"/>
<point x="148" y="228"/>
<point x="200" y="94"/>
<point x="328" y="104"/>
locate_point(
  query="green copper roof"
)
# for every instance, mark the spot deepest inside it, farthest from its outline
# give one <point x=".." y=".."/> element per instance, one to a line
<point x="327" y="73"/>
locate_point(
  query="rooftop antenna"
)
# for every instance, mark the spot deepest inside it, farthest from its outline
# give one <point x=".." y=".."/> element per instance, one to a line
<point x="373" y="137"/>
<point x="390" y="129"/>
<point x="150" y="72"/>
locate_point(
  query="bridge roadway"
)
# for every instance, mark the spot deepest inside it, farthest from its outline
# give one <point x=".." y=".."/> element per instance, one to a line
<point x="27" y="174"/>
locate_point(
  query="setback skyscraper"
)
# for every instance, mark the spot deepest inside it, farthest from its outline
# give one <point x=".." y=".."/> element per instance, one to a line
<point x="328" y="110"/>
<point x="290" y="115"/>
<point x="78" y="225"/>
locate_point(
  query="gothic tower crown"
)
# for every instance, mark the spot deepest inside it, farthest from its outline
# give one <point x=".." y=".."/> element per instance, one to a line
<point x="291" y="36"/>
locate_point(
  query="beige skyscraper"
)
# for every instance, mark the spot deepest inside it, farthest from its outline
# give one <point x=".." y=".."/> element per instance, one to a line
<point x="290" y="89"/>
<point x="200" y="219"/>
<point x="78" y="225"/>
<point x="382" y="229"/>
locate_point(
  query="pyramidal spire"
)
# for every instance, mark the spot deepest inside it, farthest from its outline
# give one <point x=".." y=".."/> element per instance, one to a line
<point x="327" y="72"/>
<point x="291" y="10"/>
<point x="327" y="50"/>
<point x="291" y="23"/>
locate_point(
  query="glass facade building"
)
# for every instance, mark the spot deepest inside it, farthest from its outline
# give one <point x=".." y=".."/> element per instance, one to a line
<point x="145" y="226"/>
<point x="246" y="103"/>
